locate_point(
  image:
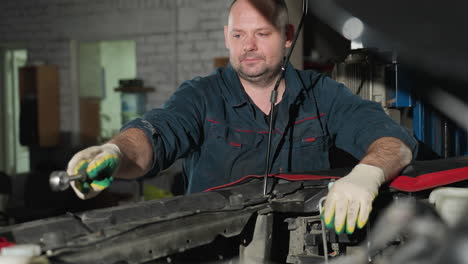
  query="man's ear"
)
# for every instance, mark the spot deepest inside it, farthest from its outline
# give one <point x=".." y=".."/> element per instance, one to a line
<point x="226" y="37"/>
<point x="289" y="35"/>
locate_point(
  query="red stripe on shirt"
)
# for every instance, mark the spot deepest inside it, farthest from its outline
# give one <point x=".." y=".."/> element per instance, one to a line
<point x="310" y="118"/>
<point x="213" y="121"/>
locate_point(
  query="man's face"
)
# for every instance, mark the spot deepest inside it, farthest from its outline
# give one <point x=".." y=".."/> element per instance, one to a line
<point x="256" y="44"/>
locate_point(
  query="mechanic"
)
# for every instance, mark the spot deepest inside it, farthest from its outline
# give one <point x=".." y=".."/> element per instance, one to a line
<point x="219" y="125"/>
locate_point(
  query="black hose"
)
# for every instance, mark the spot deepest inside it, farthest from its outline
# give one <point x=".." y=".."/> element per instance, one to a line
<point x="274" y="96"/>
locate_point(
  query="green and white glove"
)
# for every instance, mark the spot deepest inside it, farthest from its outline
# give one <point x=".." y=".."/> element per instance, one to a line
<point x="99" y="163"/>
<point x="349" y="201"/>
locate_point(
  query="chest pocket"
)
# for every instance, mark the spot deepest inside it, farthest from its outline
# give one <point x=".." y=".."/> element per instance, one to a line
<point x="222" y="134"/>
<point x="309" y="137"/>
<point x="228" y="154"/>
<point x="307" y="148"/>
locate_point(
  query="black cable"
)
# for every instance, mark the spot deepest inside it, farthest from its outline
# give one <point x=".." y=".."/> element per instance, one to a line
<point x="274" y="96"/>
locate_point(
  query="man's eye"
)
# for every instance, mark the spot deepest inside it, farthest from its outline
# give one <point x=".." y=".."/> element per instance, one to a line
<point x="236" y="36"/>
<point x="262" y="34"/>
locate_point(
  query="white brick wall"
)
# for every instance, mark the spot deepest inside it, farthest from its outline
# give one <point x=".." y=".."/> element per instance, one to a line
<point x="203" y="40"/>
<point x="175" y="39"/>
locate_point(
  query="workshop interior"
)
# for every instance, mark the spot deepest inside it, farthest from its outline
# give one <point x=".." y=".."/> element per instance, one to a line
<point x="73" y="72"/>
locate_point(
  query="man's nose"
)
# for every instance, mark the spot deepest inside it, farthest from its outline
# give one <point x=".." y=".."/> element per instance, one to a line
<point x="250" y="44"/>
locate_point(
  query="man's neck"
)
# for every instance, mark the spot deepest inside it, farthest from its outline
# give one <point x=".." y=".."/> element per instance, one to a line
<point x="260" y="95"/>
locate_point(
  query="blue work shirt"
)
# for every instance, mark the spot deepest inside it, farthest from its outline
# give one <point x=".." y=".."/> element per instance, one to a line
<point x="223" y="135"/>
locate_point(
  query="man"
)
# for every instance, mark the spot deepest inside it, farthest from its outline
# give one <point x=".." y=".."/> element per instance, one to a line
<point x="218" y="124"/>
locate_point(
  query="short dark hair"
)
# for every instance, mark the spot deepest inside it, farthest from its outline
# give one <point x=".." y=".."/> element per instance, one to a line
<point x="280" y="14"/>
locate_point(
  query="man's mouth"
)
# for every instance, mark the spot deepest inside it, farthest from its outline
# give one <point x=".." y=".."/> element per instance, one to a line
<point x="247" y="58"/>
<point x="250" y="59"/>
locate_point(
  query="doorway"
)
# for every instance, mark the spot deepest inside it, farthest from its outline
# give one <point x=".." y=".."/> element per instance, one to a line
<point x="14" y="158"/>
<point x="101" y="64"/>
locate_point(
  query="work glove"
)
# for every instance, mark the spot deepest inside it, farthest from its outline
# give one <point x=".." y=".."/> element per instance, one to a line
<point x="99" y="163"/>
<point x="349" y="201"/>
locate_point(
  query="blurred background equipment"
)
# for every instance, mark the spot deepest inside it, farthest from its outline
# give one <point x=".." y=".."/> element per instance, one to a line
<point x="379" y="76"/>
<point x="40" y="106"/>
<point x="133" y="98"/>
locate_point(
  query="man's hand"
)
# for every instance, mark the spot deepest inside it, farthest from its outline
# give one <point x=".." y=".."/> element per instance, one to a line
<point x="99" y="163"/>
<point x="350" y="198"/>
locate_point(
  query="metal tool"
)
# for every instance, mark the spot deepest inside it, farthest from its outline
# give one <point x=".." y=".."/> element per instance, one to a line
<point x="324" y="235"/>
<point x="60" y="180"/>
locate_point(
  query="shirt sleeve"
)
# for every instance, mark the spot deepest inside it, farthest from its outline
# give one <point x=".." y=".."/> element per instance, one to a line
<point x="174" y="129"/>
<point x="355" y="123"/>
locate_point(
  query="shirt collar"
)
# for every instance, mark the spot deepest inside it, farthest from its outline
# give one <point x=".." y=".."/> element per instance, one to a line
<point x="233" y="90"/>
<point x="294" y="85"/>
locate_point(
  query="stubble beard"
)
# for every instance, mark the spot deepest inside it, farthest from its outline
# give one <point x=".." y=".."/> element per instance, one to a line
<point x="263" y="78"/>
